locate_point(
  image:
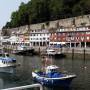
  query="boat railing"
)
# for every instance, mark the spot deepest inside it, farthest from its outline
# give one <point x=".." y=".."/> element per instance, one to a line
<point x="25" y="87"/>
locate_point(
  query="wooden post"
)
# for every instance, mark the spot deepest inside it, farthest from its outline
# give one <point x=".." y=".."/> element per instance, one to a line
<point x="84" y="54"/>
<point x="72" y="53"/>
<point x="39" y="51"/>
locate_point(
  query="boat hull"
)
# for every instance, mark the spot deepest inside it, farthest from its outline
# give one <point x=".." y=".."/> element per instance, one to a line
<point x="9" y="69"/>
<point x="25" y="52"/>
<point x="50" y="83"/>
<point x="55" y="55"/>
<point x="53" y="82"/>
<point x="59" y="55"/>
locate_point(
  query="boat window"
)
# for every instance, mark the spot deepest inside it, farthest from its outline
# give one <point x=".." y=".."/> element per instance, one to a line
<point x="3" y="55"/>
<point x="4" y="62"/>
<point x="7" y="55"/>
<point x="53" y="70"/>
<point x="0" y="54"/>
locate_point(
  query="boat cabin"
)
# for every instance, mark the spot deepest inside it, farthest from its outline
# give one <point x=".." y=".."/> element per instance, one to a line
<point x="51" y="68"/>
<point x="4" y="55"/>
<point x="5" y="58"/>
<point x="51" y="51"/>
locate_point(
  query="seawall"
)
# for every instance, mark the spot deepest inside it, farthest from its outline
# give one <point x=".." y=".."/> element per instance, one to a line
<point x="69" y="22"/>
<point x="77" y="53"/>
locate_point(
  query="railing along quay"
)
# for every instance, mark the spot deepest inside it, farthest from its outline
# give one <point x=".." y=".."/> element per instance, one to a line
<point x="25" y="87"/>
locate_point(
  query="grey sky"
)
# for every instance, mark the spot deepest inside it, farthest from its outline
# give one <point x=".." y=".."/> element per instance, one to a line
<point x="6" y="8"/>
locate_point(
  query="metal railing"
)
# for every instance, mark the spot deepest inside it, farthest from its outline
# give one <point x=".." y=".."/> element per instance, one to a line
<point x="25" y="87"/>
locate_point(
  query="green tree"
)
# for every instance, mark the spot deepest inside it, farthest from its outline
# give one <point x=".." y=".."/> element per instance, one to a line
<point x="37" y="11"/>
<point x="56" y="8"/>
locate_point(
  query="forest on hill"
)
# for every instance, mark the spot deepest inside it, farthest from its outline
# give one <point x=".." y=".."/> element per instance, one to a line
<point x="37" y="11"/>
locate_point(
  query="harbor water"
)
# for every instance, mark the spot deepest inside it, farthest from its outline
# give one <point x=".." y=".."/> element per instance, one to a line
<point x="21" y="74"/>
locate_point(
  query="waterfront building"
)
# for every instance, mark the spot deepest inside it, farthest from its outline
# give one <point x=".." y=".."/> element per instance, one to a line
<point x="13" y="39"/>
<point x="22" y="35"/>
<point x="19" y="36"/>
<point x="39" y="37"/>
<point x="72" y="37"/>
<point x="23" y="39"/>
<point x="67" y="36"/>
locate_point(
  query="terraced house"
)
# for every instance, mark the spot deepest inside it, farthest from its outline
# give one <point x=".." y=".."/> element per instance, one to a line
<point x="39" y="37"/>
<point x="72" y="37"/>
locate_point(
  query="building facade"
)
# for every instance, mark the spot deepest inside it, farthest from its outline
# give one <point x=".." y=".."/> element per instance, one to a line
<point x="72" y="37"/>
<point x="39" y="38"/>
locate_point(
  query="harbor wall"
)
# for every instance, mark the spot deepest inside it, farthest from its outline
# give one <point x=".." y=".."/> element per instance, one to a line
<point x="69" y="22"/>
<point x="77" y="56"/>
<point x="77" y="53"/>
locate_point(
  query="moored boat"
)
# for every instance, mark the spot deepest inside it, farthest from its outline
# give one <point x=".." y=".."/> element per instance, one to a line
<point x="24" y="50"/>
<point x="53" y="52"/>
<point x="6" y="62"/>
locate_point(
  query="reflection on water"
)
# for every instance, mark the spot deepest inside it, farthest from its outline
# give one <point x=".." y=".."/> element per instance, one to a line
<point x="1" y="83"/>
<point x="22" y="74"/>
<point x="57" y="88"/>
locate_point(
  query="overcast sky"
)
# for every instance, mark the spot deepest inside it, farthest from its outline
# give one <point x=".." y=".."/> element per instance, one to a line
<point x="6" y="8"/>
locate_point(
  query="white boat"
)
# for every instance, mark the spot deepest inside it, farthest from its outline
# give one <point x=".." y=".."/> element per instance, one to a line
<point x="54" y="52"/>
<point x="6" y="62"/>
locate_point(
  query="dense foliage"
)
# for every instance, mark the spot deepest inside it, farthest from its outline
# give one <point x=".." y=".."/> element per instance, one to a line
<point x="37" y="11"/>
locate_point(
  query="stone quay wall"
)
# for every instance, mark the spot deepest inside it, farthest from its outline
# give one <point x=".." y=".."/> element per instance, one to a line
<point x="69" y="22"/>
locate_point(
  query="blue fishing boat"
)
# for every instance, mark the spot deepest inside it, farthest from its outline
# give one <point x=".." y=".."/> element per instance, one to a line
<point x="51" y="76"/>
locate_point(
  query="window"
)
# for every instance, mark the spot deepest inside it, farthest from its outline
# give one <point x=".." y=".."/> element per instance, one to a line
<point x="43" y="38"/>
<point x="87" y="38"/>
<point x="48" y="38"/>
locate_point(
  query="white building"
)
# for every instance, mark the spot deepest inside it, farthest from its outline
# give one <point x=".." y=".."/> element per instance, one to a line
<point x="39" y="37"/>
<point x="13" y="39"/>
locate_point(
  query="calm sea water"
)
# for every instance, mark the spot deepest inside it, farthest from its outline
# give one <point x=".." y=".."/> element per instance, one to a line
<point x="22" y="74"/>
